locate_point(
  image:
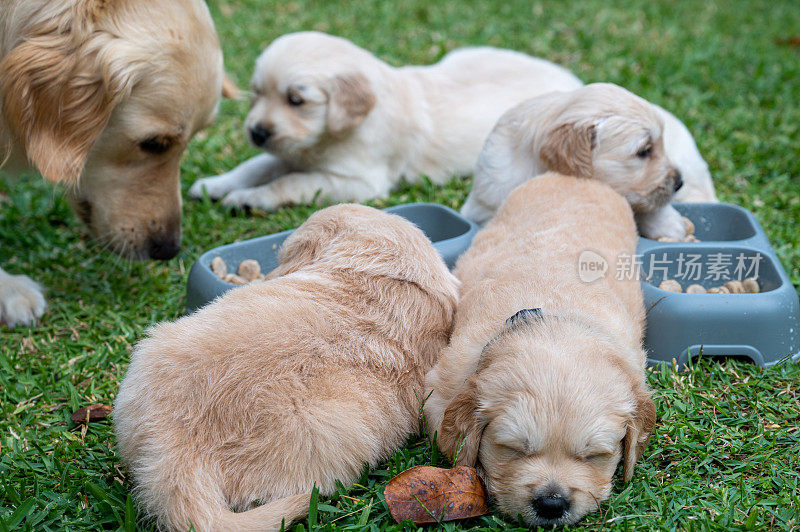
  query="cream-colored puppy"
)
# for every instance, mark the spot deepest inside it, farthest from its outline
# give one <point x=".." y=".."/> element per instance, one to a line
<point x="601" y="131"/>
<point x="104" y="97"/>
<point x="542" y="386"/>
<point x="297" y="381"/>
<point x="340" y="124"/>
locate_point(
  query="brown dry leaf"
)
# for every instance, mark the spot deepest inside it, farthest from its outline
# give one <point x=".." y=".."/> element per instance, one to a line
<point x="90" y="413"/>
<point x="793" y="41"/>
<point x="426" y="494"/>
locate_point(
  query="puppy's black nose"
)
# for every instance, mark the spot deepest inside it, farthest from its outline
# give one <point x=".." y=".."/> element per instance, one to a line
<point x="260" y="135"/>
<point x="678" y="182"/>
<point x="551" y="506"/>
<point x="163" y="247"/>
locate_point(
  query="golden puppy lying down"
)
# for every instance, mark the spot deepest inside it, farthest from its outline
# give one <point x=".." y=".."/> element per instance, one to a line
<point x="295" y="381"/>
<point x="542" y="385"/>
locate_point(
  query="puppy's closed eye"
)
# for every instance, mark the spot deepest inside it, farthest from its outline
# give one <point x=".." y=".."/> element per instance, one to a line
<point x="596" y="456"/>
<point x="645" y="152"/>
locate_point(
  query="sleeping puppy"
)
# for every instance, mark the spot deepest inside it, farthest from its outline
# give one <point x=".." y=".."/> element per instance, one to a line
<point x="282" y="385"/>
<point x="342" y="125"/>
<point x="103" y="97"/>
<point x="600" y="131"/>
<point x="542" y="386"/>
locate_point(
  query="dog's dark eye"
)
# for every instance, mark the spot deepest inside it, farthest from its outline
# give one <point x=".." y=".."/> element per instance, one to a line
<point x="155" y="145"/>
<point x="645" y="152"/>
<point x="294" y="99"/>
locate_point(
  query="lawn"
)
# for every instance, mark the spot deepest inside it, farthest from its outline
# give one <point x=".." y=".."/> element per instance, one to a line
<point x="726" y="449"/>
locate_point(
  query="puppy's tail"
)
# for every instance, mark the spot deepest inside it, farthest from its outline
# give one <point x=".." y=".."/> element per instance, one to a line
<point x="265" y="518"/>
<point x="198" y="501"/>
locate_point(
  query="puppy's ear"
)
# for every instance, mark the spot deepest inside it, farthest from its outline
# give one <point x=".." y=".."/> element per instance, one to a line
<point x="58" y="91"/>
<point x="462" y="429"/>
<point x="349" y="102"/>
<point x="638" y="434"/>
<point x="567" y="149"/>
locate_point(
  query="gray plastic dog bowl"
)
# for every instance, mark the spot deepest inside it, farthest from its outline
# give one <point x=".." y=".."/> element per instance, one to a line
<point x="450" y="233"/>
<point x="762" y="327"/>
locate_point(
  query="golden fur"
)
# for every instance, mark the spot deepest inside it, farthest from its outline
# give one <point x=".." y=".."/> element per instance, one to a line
<point x="545" y="405"/>
<point x="104" y="97"/>
<point x="289" y="383"/>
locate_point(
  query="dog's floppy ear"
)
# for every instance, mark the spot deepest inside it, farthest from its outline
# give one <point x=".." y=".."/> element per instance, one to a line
<point x="462" y="428"/>
<point x="349" y="102"/>
<point x="567" y="149"/>
<point x="640" y="426"/>
<point x="58" y="90"/>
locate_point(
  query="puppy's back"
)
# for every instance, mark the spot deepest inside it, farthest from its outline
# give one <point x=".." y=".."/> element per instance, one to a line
<point x="294" y="382"/>
<point x="533" y="249"/>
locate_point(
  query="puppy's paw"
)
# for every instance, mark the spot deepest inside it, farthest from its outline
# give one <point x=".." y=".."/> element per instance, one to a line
<point x="215" y="187"/>
<point x="664" y="223"/>
<point x="254" y="198"/>
<point x="21" y="300"/>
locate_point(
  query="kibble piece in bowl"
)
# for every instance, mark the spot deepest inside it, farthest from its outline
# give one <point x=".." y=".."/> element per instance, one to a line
<point x="696" y="289"/>
<point x="219" y="268"/>
<point x="250" y="270"/>
<point x="735" y="287"/>
<point x="751" y="286"/>
<point x="671" y="285"/>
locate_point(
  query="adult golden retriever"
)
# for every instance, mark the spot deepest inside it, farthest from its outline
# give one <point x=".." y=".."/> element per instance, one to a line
<point x="103" y="96"/>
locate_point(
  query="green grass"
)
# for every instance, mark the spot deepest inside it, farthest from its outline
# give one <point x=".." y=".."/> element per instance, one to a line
<point x="725" y="450"/>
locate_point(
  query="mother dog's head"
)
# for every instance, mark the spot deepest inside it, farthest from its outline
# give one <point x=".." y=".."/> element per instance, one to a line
<point x="104" y="97"/>
<point x="547" y="417"/>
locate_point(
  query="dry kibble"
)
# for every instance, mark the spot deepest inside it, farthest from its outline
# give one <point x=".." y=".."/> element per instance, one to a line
<point x="687" y="223"/>
<point x="670" y="285"/>
<point x="234" y="279"/>
<point x="219" y="268"/>
<point x="735" y="287"/>
<point x="695" y="289"/>
<point x="723" y="290"/>
<point x="691" y="238"/>
<point x="750" y="285"/>
<point x="249" y="270"/>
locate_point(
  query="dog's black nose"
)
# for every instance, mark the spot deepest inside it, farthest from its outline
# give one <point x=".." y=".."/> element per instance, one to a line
<point x="260" y="135"/>
<point x="551" y="506"/>
<point x="163" y="247"/>
<point x="678" y="182"/>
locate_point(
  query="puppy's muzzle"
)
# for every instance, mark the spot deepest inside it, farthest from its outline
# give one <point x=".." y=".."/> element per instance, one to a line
<point x="260" y="135"/>
<point x="552" y="505"/>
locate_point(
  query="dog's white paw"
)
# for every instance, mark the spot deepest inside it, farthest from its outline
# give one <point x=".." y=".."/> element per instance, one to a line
<point x="21" y="300"/>
<point x="256" y="198"/>
<point x="663" y="223"/>
<point x="215" y="187"/>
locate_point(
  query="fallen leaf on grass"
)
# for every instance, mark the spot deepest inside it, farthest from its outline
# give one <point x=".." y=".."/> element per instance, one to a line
<point x="83" y="416"/>
<point x="426" y="494"/>
<point x="793" y="41"/>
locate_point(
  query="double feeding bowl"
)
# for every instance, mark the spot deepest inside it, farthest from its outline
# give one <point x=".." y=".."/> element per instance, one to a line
<point x="762" y="327"/>
<point x="450" y="233"/>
